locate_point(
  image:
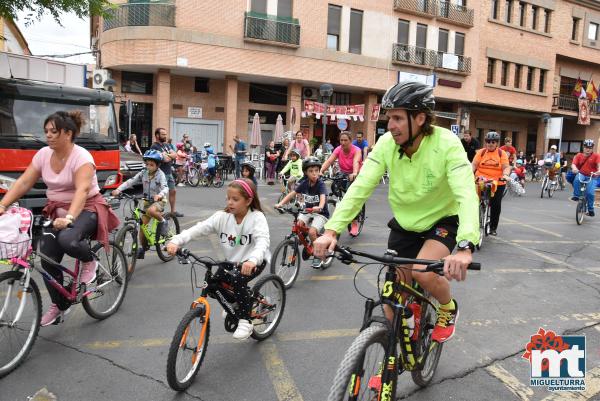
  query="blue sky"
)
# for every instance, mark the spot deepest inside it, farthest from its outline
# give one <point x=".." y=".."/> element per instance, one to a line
<point x="47" y="37"/>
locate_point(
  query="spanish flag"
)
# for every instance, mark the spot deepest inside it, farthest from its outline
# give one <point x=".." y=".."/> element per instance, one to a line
<point x="592" y="92"/>
<point x="578" y="88"/>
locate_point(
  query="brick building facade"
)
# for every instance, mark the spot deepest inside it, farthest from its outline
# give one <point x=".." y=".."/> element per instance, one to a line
<point x="504" y="65"/>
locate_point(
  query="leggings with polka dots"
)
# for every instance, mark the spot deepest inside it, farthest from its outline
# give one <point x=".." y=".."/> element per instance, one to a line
<point x="239" y="282"/>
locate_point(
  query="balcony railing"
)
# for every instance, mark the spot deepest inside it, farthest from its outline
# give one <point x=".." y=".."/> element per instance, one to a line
<point x="571" y="103"/>
<point x="426" y="7"/>
<point x="140" y="14"/>
<point x="455" y="13"/>
<point x="402" y="53"/>
<point x="272" y="29"/>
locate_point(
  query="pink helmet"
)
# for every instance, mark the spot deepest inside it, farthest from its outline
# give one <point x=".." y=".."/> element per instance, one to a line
<point x="179" y="145"/>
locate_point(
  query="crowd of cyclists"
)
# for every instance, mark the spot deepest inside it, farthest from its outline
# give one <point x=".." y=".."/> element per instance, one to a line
<point x="431" y="193"/>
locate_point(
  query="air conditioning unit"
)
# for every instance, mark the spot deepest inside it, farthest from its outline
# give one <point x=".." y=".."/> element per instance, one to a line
<point x="99" y="78"/>
<point x="310" y="94"/>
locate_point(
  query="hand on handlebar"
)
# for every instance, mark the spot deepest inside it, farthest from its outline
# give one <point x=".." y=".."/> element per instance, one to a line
<point x="455" y="266"/>
<point x="172" y="248"/>
<point x="61" y="223"/>
<point x="248" y="268"/>
<point x="325" y="244"/>
<point x="116" y="192"/>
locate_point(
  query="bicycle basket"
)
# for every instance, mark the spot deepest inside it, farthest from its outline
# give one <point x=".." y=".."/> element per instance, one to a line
<point x="19" y="249"/>
<point x="15" y="230"/>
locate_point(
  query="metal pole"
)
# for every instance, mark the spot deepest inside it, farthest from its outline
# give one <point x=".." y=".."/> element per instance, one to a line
<point x="325" y="126"/>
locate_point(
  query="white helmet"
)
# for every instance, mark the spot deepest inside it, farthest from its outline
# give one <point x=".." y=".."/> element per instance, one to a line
<point x="553" y="147"/>
<point x="207" y="144"/>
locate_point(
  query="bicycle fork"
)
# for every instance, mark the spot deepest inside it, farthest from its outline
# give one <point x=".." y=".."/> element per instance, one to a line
<point x="19" y="295"/>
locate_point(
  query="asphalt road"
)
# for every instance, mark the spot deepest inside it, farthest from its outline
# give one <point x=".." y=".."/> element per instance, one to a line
<point x="541" y="271"/>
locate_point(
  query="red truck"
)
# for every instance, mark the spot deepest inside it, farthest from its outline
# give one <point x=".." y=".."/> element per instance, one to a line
<point x="25" y="104"/>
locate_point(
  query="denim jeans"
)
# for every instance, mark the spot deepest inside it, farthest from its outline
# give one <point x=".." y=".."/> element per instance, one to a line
<point x="238" y="167"/>
<point x="589" y="191"/>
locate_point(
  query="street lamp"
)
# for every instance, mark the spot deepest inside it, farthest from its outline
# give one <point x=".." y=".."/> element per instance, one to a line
<point x="326" y="91"/>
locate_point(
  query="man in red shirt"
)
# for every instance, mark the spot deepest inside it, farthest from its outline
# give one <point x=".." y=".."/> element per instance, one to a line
<point x="510" y="150"/>
<point x="584" y="165"/>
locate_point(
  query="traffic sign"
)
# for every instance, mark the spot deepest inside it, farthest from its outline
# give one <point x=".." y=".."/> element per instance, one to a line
<point x="455" y="129"/>
<point x="342" y="124"/>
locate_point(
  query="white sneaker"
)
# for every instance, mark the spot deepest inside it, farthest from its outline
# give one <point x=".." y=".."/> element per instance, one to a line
<point x="244" y="330"/>
<point x="224" y="313"/>
<point x="181" y="184"/>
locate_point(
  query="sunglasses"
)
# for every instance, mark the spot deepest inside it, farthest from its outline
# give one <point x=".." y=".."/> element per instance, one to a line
<point x="490" y="141"/>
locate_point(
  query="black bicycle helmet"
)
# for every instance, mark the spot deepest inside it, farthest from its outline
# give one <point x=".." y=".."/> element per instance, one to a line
<point x="492" y="136"/>
<point x="310" y="161"/>
<point x="410" y="96"/>
<point x="249" y="166"/>
<point x="588" y="143"/>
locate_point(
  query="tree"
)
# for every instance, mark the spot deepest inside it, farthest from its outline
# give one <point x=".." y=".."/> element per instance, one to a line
<point x="36" y="8"/>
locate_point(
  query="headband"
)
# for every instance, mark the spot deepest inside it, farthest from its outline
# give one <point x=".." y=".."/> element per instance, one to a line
<point x="246" y="187"/>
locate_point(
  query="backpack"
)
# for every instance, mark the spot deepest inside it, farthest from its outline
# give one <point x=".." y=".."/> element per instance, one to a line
<point x="484" y="151"/>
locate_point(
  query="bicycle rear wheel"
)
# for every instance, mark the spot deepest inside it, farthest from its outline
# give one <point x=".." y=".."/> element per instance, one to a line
<point x="110" y="287"/>
<point x="544" y="185"/>
<point x="580" y="211"/>
<point x="188" y="348"/>
<point x="161" y="241"/>
<point x="193" y="176"/>
<point x="17" y="338"/>
<point x="127" y="239"/>
<point x="269" y="303"/>
<point x="285" y="262"/>
<point x="425" y="347"/>
<point x="218" y="179"/>
<point x="359" y="372"/>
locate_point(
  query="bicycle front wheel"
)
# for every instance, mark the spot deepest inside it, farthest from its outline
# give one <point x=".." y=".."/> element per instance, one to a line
<point x="269" y="303"/>
<point x="188" y="348"/>
<point x="580" y="211"/>
<point x="127" y="239"/>
<point x="359" y="374"/>
<point x="360" y="220"/>
<point x="218" y="179"/>
<point x="17" y="337"/>
<point x="193" y="176"/>
<point x="427" y="349"/>
<point x="285" y="262"/>
<point x="161" y="241"/>
<point x="551" y="189"/>
<point x="111" y="282"/>
<point x="544" y="185"/>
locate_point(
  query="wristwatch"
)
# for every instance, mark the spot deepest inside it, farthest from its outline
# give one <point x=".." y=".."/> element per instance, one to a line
<point x="465" y="244"/>
<point x="69" y="217"/>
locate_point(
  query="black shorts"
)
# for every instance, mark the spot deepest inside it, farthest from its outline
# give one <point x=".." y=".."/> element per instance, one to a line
<point x="409" y="243"/>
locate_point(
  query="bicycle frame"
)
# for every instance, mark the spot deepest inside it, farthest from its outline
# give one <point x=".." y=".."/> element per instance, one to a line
<point x="149" y="229"/>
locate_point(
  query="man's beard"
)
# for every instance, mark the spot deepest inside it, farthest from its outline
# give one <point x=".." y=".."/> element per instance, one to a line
<point x="162" y="140"/>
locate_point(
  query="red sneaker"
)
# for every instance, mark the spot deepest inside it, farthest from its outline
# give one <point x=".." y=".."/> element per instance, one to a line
<point x="354" y="228"/>
<point x="446" y="320"/>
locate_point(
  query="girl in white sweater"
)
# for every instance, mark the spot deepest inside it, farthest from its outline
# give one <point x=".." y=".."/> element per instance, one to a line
<point x="244" y="236"/>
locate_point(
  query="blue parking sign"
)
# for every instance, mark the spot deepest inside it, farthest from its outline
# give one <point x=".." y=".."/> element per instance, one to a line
<point x="455" y="129"/>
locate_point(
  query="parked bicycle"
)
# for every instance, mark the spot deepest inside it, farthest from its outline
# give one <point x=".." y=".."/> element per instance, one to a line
<point x="21" y="302"/>
<point x="128" y="235"/>
<point x="286" y="259"/>
<point x="190" y="341"/>
<point x="582" y="203"/>
<point x="339" y="185"/>
<point x="385" y="349"/>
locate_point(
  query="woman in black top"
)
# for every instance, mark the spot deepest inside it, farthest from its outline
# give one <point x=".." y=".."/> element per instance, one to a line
<point x="271" y="160"/>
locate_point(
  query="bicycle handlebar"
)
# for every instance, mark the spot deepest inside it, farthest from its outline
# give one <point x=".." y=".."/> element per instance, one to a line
<point x="184" y="254"/>
<point x="294" y="210"/>
<point x="346" y="255"/>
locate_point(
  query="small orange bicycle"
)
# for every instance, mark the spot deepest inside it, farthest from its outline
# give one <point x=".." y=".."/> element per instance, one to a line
<point x="190" y="341"/>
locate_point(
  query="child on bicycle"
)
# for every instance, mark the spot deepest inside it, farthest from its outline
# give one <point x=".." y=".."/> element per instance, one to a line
<point x="294" y="166"/>
<point x="248" y="171"/>
<point x="314" y="192"/>
<point x="154" y="186"/>
<point x="244" y="235"/>
<point x="518" y="173"/>
<point x="211" y="160"/>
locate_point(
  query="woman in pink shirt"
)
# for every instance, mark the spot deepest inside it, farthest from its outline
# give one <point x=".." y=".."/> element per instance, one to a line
<point x="74" y="198"/>
<point x="300" y="144"/>
<point x="349" y="159"/>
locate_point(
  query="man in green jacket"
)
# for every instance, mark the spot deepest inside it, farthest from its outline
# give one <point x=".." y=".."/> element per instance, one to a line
<point x="431" y="189"/>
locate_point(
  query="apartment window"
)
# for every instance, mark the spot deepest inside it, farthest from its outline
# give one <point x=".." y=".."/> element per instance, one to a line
<point x="201" y="85"/>
<point x="547" y="21"/>
<point x="459" y="44"/>
<point x="542" y="81"/>
<point x="534" y="17"/>
<point x="494" y="12"/>
<point x="258" y="6"/>
<point x="508" y="9"/>
<point x="443" y="41"/>
<point x="504" y="75"/>
<point x="268" y="94"/>
<point x="356" y="19"/>
<point x="575" y="29"/>
<point x="284" y="8"/>
<point x="403" y="28"/>
<point x="462" y="3"/>
<point x="529" y="78"/>
<point x="421" y="36"/>
<point x="340" y="98"/>
<point x="137" y="82"/>
<point x="333" y="27"/>
<point x="593" y="31"/>
<point x="522" y="10"/>
<point x="518" y="71"/>
<point x="490" y="70"/>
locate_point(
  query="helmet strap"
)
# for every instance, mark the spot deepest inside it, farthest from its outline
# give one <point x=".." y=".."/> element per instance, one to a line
<point x="411" y="138"/>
